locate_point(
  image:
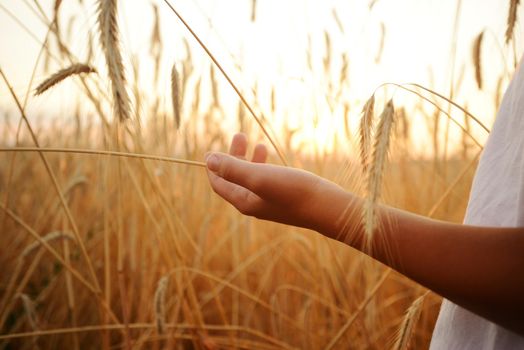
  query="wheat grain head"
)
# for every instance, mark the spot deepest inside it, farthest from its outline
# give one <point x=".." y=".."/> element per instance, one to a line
<point x="108" y="27"/>
<point x="512" y="18"/>
<point x="376" y="171"/>
<point x="175" y="95"/>
<point x="52" y="236"/>
<point x="160" y="304"/>
<point x="477" y="59"/>
<point x="62" y="74"/>
<point x="408" y="324"/>
<point x="29" y="308"/>
<point x="365" y="128"/>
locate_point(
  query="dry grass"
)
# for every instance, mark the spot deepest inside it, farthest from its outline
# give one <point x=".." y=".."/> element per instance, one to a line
<point x="145" y="215"/>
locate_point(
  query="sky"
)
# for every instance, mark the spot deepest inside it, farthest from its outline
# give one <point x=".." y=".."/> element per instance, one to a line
<point x="271" y="52"/>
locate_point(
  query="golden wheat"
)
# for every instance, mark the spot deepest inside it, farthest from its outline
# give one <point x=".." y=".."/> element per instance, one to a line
<point x="477" y="59"/>
<point x="512" y="18"/>
<point x="241" y="284"/>
<point x="108" y="27"/>
<point x="175" y="95"/>
<point x="51" y="236"/>
<point x="376" y="170"/>
<point x="408" y="324"/>
<point x="30" y="312"/>
<point x="160" y="304"/>
<point x="365" y="129"/>
<point x="62" y="74"/>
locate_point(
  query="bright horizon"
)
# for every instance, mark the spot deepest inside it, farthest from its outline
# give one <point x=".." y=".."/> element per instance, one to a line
<point x="272" y="52"/>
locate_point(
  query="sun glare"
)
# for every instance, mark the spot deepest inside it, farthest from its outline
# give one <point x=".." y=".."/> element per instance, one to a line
<point x="289" y="60"/>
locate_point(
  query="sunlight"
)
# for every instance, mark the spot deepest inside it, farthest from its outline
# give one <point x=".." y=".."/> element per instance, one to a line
<point x="285" y="50"/>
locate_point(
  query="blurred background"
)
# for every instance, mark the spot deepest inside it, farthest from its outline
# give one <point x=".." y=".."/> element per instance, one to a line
<point x="306" y="60"/>
<point x="113" y="252"/>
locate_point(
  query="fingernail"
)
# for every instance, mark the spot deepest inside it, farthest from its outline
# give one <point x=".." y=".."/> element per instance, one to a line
<point x="213" y="162"/>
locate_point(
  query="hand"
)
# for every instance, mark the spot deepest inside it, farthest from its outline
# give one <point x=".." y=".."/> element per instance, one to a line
<point x="270" y="192"/>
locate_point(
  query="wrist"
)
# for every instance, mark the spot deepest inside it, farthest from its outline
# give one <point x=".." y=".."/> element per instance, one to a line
<point x="339" y="214"/>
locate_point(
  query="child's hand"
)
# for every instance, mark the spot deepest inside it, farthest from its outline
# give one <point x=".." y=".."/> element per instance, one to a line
<point x="275" y="193"/>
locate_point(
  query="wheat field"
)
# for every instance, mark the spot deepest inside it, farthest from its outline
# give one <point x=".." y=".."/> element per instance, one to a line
<point x="112" y="237"/>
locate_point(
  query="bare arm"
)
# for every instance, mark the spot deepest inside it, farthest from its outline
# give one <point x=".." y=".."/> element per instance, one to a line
<point x="479" y="268"/>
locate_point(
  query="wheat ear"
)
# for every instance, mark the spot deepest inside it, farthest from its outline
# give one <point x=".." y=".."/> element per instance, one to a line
<point x="376" y="170"/>
<point x="29" y="308"/>
<point x="160" y="304"/>
<point x="107" y="22"/>
<point x="52" y="236"/>
<point x="408" y="323"/>
<point x="175" y="95"/>
<point x="366" y="126"/>
<point x="512" y="18"/>
<point x="477" y="62"/>
<point x="62" y="74"/>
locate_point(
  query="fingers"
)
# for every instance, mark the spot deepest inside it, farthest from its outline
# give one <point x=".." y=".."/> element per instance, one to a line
<point x="234" y="170"/>
<point x="240" y="172"/>
<point x="241" y="198"/>
<point x="238" y="146"/>
<point x="259" y="154"/>
<point x="238" y="149"/>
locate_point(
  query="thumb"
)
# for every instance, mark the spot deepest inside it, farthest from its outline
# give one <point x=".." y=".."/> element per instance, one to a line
<point x="235" y="170"/>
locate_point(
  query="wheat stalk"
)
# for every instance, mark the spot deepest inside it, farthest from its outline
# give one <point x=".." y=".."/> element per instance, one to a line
<point x="376" y="170"/>
<point x="100" y="152"/>
<point x="175" y="95"/>
<point x="408" y="323"/>
<point x="107" y="22"/>
<point x="512" y="18"/>
<point x="160" y="304"/>
<point x="477" y="62"/>
<point x="366" y="125"/>
<point x="62" y="74"/>
<point x="231" y="83"/>
<point x="451" y="102"/>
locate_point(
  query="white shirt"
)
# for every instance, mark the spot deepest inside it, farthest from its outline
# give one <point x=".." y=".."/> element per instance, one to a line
<point x="497" y="199"/>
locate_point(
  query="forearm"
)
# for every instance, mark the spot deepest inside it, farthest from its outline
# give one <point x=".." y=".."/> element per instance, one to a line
<point x="479" y="268"/>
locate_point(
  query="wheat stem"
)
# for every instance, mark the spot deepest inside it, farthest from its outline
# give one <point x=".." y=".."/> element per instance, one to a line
<point x="237" y="91"/>
<point x="100" y="152"/>
<point x="55" y="184"/>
